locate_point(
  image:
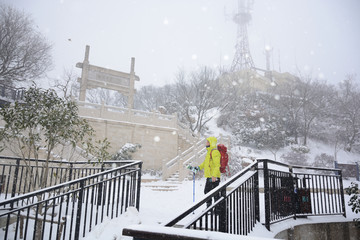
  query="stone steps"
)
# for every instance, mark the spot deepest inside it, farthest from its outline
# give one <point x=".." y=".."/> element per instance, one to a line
<point x="166" y="188"/>
<point x="170" y="184"/>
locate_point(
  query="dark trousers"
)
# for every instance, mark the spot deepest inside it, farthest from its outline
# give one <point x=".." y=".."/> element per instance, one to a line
<point x="210" y="186"/>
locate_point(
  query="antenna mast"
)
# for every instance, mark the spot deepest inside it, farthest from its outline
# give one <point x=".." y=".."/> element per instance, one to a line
<point x="242" y="59"/>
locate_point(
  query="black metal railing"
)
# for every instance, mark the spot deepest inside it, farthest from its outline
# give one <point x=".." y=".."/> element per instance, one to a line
<point x="70" y="210"/>
<point x="11" y="93"/>
<point x="298" y="191"/>
<point x="289" y="192"/>
<point x="19" y="176"/>
<point x="234" y="212"/>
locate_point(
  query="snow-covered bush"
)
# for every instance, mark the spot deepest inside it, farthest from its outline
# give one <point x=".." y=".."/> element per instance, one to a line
<point x="324" y="161"/>
<point x="354" y="202"/>
<point x="300" y="149"/>
<point x="295" y="158"/>
<point x="44" y="121"/>
<point x="126" y="151"/>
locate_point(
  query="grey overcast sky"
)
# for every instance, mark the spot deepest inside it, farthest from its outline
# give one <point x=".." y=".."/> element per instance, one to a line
<point x="321" y="37"/>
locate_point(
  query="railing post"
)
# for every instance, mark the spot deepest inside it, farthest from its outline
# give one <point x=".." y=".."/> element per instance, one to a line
<point x="13" y="94"/>
<point x="3" y="91"/>
<point x="342" y="193"/>
<point x="293" y="192"/>
<point x="180" y="167"/>
<point x="164" y="169"/>
<point x="138" y="187"/>
<point x="223" y="212"/>
<point x="102" y="109"/>
<point x="100" y="186"/>
<point x="336" y="165"/>
<point x="13" y="191"/>
<point x="79" y="210"/>
<point x="256" y="191"/>
<point x="266" y="194"/>
<point x="70" y="171"/>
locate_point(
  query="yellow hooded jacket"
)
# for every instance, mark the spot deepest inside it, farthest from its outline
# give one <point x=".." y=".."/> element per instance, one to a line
<point x="210" y="165"/>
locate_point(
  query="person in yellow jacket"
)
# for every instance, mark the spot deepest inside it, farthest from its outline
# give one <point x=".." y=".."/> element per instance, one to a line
<point x="211" y="166"/>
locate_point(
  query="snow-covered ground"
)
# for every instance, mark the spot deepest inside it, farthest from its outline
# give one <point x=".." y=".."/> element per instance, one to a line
<point x="158" y="207"/>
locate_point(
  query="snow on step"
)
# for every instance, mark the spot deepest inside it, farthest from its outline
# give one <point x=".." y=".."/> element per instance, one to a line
<point x="162" y="187"/>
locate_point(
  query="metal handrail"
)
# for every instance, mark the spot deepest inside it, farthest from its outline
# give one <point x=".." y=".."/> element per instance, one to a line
<point x="19" y="176"/>
<point x="309" y="194"/>
<point x="70" y="210"/>
<point x="210" y="195"/>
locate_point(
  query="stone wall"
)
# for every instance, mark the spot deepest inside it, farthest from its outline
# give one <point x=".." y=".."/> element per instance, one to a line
<point x="158" y="143"/>
<point x="160" y="136"/>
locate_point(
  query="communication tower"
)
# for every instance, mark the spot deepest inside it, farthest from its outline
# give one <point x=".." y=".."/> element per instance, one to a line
<point x="242" y="59"/>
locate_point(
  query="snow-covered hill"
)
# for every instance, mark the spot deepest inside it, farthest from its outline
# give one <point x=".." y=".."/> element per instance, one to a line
<point x="248" y="154"/>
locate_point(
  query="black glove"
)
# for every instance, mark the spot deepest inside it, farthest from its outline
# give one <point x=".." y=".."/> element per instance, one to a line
<point x="194" y="169"/>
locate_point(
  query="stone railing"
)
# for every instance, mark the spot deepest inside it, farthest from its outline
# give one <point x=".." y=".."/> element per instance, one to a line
<point x="186" y="133"/>
<point x="126" y="115"/>
<point x="192" y="156"/>
<point x="136" y="116"/>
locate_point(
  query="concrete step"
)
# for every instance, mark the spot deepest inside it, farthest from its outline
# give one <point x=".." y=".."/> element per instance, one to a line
<point x="162" y="187"/>
<point x="175" y="177"/>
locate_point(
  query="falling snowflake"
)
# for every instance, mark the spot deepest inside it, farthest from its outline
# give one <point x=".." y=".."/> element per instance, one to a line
<point x="277" y="97"/>
<point x="321" y="75"/>
<point x="226" y="57"/>
<point x="307" y="68"/>
<point x="194" y="57"/>
<point x="166" y="21"/>
<point x="156" y="139"/>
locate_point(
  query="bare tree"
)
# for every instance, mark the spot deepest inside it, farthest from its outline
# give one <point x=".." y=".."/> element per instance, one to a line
<point x="107" y="97"/>
<point x="24" y="52"/>
<point x="289" y="106"/>
<point x="67" y="86"/>
<point x="152" y="98"/>
<point x="348" y="102"/>
<point x="196" y="95"/>
<point x="314" y="97"/>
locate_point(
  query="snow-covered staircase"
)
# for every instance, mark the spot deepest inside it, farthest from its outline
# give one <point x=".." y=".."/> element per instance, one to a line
<point x="192" y="156"/>
<point x="170" y="184"/>
<point x="174" y="178"/>
<point x="165" y="188"/>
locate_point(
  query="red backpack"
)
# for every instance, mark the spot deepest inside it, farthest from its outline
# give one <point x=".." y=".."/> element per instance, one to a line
<point x="224" y="158"/>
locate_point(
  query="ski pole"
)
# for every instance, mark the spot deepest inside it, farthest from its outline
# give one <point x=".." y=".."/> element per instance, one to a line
<point x="193" y="186"/>
<point x="193" y="189"/>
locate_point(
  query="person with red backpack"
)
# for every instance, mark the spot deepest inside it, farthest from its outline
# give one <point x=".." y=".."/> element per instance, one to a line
<point x="211" y="166"/>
